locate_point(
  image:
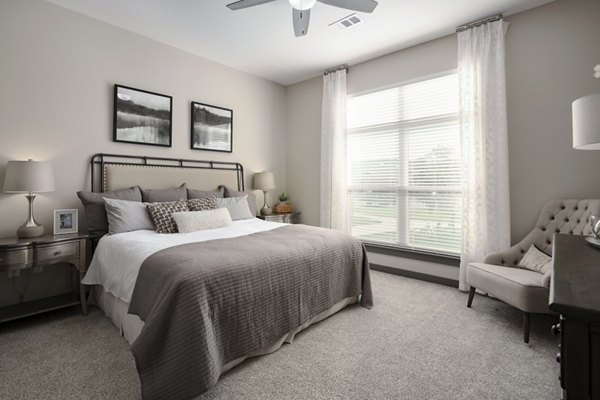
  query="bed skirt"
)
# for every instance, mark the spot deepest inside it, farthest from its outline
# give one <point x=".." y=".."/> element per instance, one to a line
<point x="130" y="325"/>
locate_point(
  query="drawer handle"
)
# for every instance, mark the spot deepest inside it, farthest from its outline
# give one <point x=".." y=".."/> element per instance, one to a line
<point x="57" y="253"/>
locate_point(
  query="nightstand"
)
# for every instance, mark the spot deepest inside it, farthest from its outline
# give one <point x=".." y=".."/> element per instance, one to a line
<point x="286" y="218"/>
<point x="20" y="254"/>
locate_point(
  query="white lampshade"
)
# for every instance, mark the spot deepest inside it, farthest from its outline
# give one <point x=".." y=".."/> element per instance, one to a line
<point x="586" y="122"/>
<point x="264" y="181"/>
<point x="28" y="176"/>
<point x="302" y="4"/>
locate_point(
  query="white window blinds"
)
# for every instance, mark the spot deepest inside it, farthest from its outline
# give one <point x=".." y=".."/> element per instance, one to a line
<point x="403" y="166"/>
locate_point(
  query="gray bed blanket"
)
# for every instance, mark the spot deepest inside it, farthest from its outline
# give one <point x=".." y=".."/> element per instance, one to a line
<point x="205" y="304"/>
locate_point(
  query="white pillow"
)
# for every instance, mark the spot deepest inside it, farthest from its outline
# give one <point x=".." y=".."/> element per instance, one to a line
<point x="126" y="216"/>
<point x="192" y="221"/>
<point x="237" y="206"/>
<point x="536" y="260"/>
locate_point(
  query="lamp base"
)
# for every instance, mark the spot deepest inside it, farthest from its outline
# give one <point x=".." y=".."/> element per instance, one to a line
<point x="26" y="232"/>
<point x="266" y="210"/>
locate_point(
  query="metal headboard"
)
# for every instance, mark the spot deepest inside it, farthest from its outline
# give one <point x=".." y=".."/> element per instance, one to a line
<point x="100" y="161"/>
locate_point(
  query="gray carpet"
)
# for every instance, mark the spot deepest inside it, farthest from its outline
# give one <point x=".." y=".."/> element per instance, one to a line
<point x="418" y="342"/>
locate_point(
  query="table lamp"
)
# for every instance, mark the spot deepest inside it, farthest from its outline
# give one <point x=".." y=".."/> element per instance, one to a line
<point x="264" y="181"/>
<point x="29" y="177"/>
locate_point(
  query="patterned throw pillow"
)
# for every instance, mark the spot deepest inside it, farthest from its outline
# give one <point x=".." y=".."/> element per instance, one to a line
<point x="536" y="260"/>
<point x="202" y="204"/>
<point x="162" y="215"/>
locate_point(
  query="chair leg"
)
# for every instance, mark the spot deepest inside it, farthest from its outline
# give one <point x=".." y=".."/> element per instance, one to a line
<point x="526" y="317"/>
<point x="471" y="295"/>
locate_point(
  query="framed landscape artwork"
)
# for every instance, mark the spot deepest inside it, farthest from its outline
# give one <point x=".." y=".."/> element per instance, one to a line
<point x="142" y="117"/>
<point x="211" y="128"/>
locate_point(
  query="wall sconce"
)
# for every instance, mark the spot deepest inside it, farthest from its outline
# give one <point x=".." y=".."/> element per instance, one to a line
<point x="586" y="120"/>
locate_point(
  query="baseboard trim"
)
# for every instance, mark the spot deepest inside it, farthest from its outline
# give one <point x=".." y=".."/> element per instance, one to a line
<point x="415" y="275"/>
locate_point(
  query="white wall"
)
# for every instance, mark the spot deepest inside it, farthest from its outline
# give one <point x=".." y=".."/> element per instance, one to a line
<point x="56" y="101"/>
<point x="57" y="72"/>
<point x="551" y="51"/>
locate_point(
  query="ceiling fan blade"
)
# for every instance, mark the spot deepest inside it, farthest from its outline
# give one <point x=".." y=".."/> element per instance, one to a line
<point x="366" y="6"/>
<point x="301" y="20"/>
<point x="237" y="5"/>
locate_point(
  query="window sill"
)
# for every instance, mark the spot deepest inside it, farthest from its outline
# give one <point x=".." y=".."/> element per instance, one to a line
<point x="415" y="254"/>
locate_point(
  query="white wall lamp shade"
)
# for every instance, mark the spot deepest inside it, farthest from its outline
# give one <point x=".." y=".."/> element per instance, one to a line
<point x="28" y="176"/>
<point x="586" y="122"/>
<point x="264" y="181"/>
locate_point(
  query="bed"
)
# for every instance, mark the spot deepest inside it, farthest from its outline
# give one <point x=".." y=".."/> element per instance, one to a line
<point x="194" y="305"/>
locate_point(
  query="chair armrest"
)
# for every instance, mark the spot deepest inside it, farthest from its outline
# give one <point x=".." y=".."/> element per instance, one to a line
<point x="546" y="279"/>
<point x="507" y="258"/>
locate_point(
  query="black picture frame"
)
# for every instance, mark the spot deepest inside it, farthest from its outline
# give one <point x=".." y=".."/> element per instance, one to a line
<point x="140" y="117"/>
<point x="211" y="128"/>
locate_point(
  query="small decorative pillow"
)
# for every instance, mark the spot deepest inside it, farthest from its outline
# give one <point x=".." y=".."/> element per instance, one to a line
<point x="536" y="260"/>
<point x="193" y="221"/>
<point x="164" y="195"/>
<point x="237" y="206"/>
<point x="202" y="204"/>
<point x="162" y="215"/>
<point x="126" y="216"/>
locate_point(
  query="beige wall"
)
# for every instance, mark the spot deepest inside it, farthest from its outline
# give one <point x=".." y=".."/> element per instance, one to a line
<point x="551" y="51"/>
<point x="57" y="72"/>
<point x="56" y="101"/>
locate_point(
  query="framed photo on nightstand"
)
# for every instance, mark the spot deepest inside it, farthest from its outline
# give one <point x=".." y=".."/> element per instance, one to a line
<point x="65" y="221"/>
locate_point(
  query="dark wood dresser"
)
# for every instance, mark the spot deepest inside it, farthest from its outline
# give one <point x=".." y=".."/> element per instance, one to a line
<point x="575" y="295"/>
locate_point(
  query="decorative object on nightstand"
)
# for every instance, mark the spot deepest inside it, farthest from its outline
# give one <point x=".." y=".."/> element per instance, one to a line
<point x="283" y="217"/>
<point x="284" y="206"/>
<point x="65" y="221"/>
<point x="264" y="181"/>
<point x="22" y="254"/>
<point x="29" y="177"/>
<point x="586" y="120"/>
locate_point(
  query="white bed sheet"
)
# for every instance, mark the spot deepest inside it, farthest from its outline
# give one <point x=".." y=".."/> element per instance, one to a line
<point x="118" y="258"/>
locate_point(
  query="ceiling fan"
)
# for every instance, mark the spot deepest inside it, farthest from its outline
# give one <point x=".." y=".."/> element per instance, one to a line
<point x="301" y="9"/>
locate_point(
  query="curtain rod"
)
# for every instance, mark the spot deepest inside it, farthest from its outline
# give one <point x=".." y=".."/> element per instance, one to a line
<point x="335" y="69"/>
<point x="480" y="22"/>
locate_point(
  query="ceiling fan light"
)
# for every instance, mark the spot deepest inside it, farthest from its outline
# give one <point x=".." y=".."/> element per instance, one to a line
<point x="302" y="4"/>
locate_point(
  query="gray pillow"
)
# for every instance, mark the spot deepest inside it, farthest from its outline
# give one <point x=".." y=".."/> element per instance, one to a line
<point x="127" y="216"/>
<point x="252" y="201"/>
<point x="237" y="207"/>
<point x="95" y="212"/>
<point x="164" y="195"/>
<point x="202" y="194"/>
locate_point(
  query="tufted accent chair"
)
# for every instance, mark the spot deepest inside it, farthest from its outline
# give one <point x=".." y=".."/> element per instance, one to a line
<point x="500" y="274"/>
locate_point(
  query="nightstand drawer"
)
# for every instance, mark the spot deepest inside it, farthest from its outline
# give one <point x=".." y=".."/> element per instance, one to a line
<point x="14" y="257"/>
<point x="57" y="251"/>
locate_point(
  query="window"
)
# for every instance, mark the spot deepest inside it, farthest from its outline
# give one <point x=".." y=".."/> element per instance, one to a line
<point x="403" y="150"/>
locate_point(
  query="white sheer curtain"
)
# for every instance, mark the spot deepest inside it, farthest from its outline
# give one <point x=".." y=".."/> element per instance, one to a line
<point x="333" y="151"/>
<point x="484" y="144"/>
